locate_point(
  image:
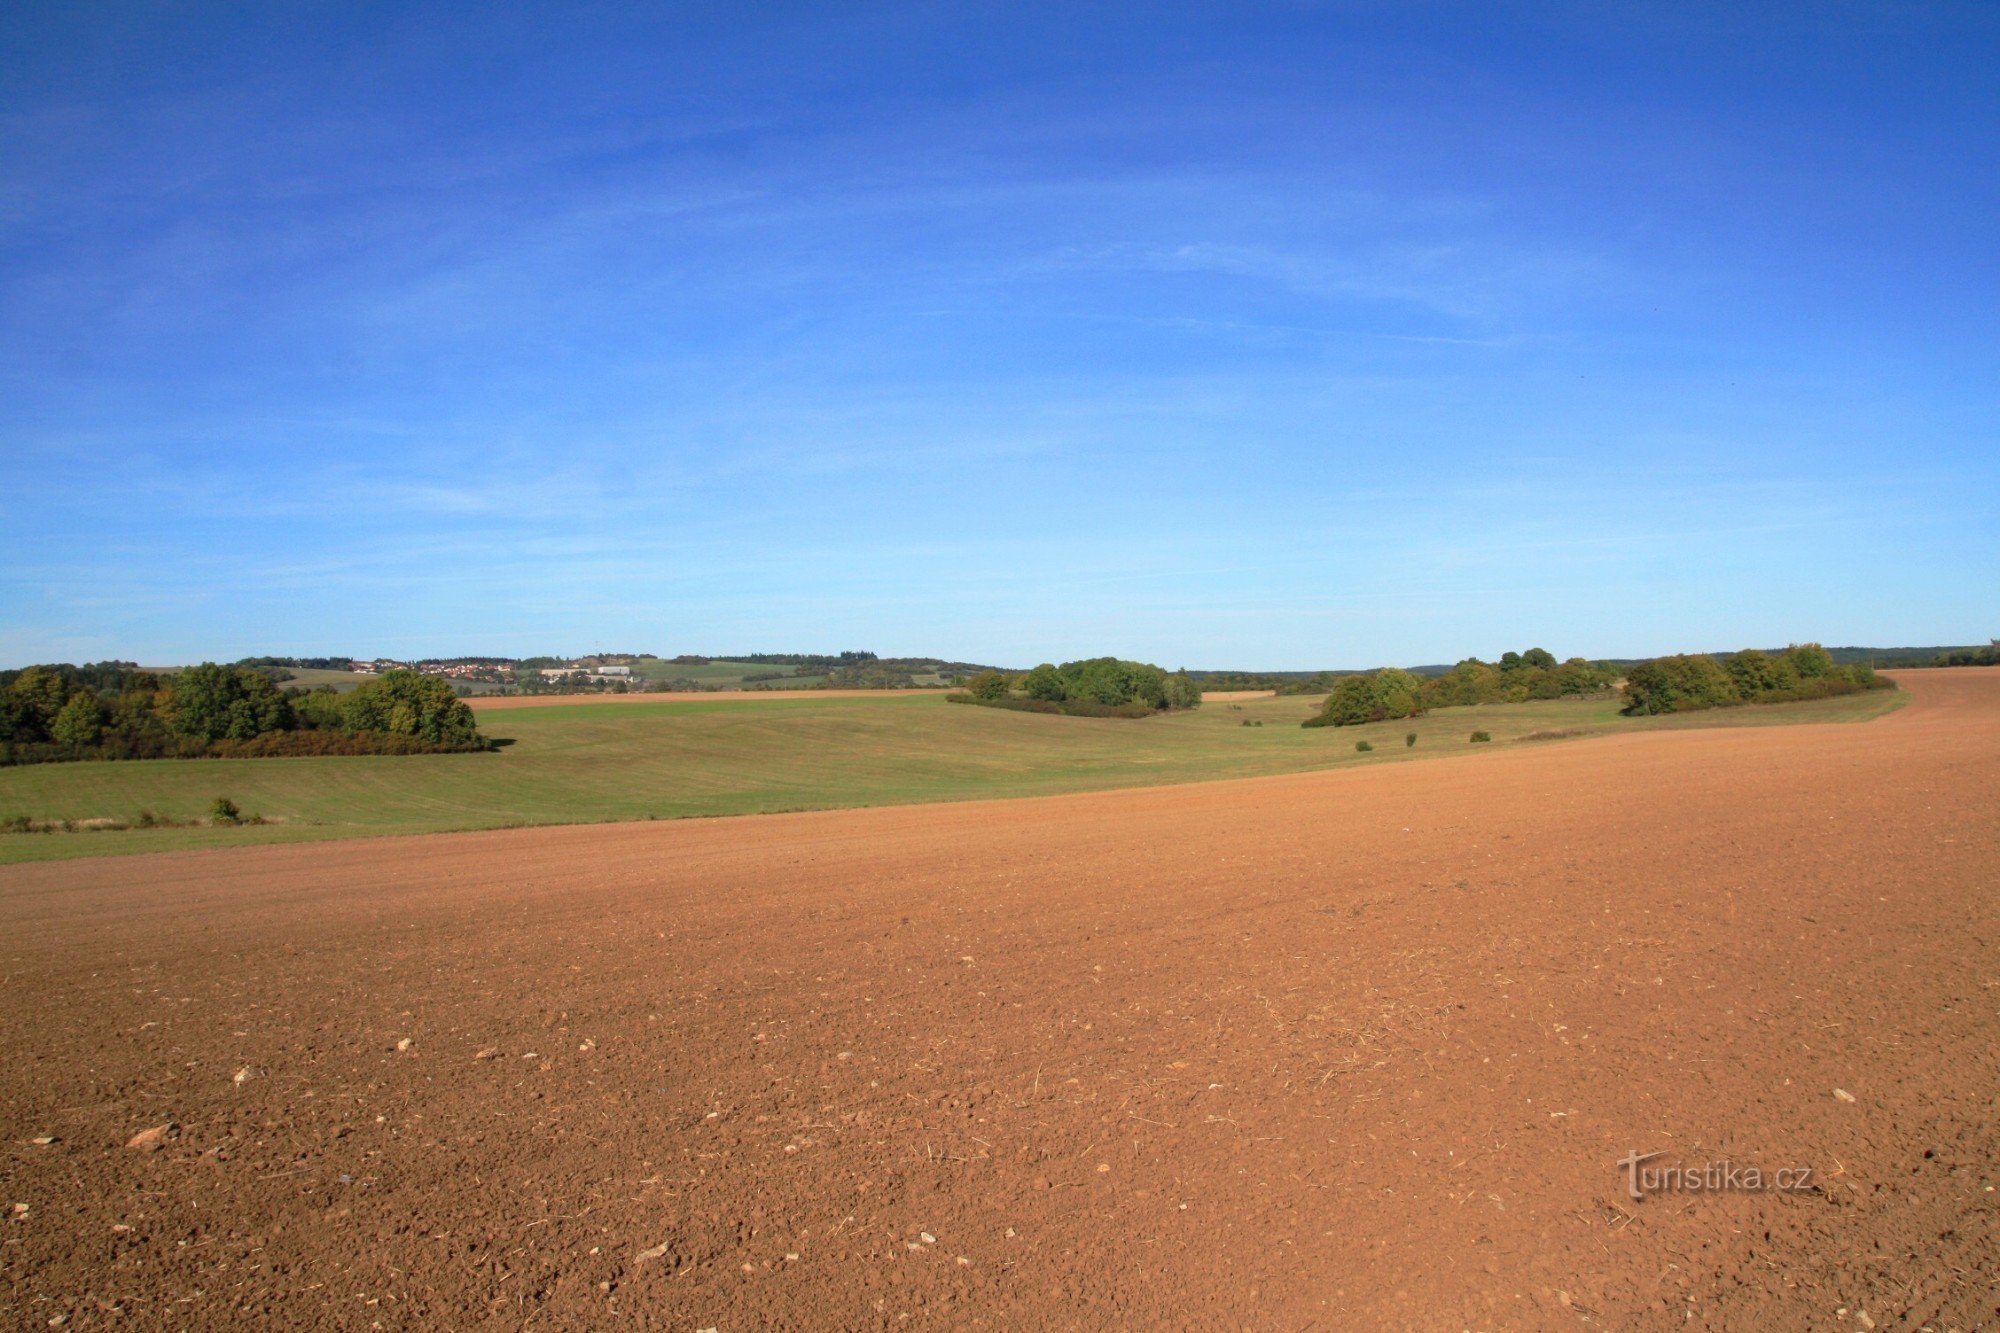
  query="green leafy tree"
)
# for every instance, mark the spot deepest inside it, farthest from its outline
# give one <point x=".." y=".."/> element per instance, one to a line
<point x="17" y="720"/>
<point x="81" y="721"/>
<point x="1045" y="683"/>
<point x="1753" y="673"/>
<point x="1677" y="684"/>
<point x="404" y="703"/>
<point x="321" y="709"/>
<point x="1182" y="691"/>
<point x="988" y="685"/>
<point x="1809" y="660"/>
<point x="1539" y="658"/>
<point x="1352" y="702"/>
<point x="1578" y="676"/>
<point x="1107" y="680"/>
<point x="212" y="703"/>
<point x="40" y="693"/>
<point x="1399" y="692"/>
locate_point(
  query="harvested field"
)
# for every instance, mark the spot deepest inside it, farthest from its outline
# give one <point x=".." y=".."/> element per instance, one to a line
<point x="1335" y="1049"/>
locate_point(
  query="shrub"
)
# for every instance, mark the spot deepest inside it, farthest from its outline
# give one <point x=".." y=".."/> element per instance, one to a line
<point x="1410" y="739"/>
<point x="224" y="811"/>
<point x="1363" y="746"/>
<point x="1481" y="737"/>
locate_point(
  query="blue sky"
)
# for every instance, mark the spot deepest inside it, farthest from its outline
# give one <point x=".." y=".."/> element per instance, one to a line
<point x="1242" y="335"/>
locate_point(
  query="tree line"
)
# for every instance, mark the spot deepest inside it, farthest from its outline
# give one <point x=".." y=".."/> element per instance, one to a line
<point x="1516" y="678"/>
<point x="1987" y="656"/>
<point x="1091" y="687"/>
<point x="113" y="710"/>
<point x="1697" y="680"/>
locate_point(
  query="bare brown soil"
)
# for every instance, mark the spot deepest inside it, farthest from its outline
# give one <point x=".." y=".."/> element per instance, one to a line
<point x="1331" y="1051"/>
<point x="500" y="703"/>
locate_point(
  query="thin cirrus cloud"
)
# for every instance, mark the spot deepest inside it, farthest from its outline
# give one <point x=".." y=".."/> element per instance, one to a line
<point x="1295" y="336"/>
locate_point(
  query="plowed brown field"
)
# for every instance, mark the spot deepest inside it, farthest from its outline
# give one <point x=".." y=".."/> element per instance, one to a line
<point x="1329" y="1051"/>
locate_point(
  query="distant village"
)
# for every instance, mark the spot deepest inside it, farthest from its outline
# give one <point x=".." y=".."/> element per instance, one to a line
<point x="619" y="673"/>
<point x="502" y="671"/>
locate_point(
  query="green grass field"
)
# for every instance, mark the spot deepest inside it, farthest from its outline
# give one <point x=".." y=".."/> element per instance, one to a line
<point x="620" y="761"/>
<point x="725" y="675"/>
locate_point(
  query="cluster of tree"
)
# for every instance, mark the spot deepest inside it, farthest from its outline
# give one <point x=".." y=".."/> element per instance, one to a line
<point x="1389" y="693"/>
<point x="1698" y="680"/>
<point x="115" y="711"/>
<point x="1516" y="678"/>
<point x="1093" y="687"/>
<point x="109" y="676"/>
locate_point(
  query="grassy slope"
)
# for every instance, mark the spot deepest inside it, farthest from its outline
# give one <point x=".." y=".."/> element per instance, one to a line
<point x="667" y="760"/>
<point x="720" y="673"/>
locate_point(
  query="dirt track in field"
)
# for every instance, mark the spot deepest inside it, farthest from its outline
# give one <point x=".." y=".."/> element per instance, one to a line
<point x="1328" y="1051"/>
